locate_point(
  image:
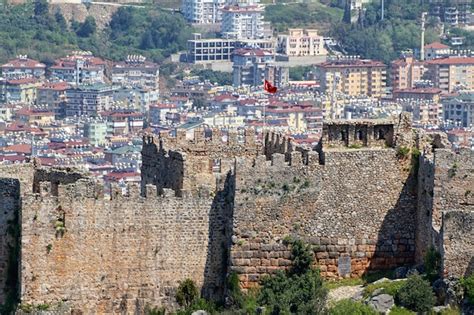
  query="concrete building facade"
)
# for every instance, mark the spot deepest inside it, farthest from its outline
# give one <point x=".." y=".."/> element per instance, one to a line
<point x="301" y="42"/>
<point x="452" y="73"/>
<point x="241" y="21"/>
<point x="352" y="76"/>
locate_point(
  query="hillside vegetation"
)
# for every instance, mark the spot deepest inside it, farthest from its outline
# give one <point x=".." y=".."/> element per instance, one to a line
<point x="31" y="29"/>
<point x="315" y="14"/>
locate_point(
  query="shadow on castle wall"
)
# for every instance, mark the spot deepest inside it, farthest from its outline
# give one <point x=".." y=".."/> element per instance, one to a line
<point x="10" y="205"/>
<point x="220" y="238"/>
<point x="395" y="243"/>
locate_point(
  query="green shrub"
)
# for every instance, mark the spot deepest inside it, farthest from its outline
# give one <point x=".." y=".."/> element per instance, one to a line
<point x="355" y="146"/>
<point x="300" y="290"/>
<point x="187" y="293"/>
<point x="301" y="256"/>
<point x="432" y="261"/>
<point x="236" y="298"/>
<point x="468" y="284"/>
<point x="388" y="287"/>
<point x="402" y="152"/>
<point x="416" y="294"/>
<point x="155" y="310"/>
<point x="450" y="311"/>
<point x="345" y="307"/>
<point x="398" y="310"/>
<point x="298" y="294"/>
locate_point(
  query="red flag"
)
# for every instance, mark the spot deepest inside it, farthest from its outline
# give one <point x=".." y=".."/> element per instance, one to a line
<point x="269" y="87"/>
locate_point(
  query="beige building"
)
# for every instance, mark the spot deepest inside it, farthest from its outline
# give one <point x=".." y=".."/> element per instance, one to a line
<point x="301" y="42"/>
<point x="452" y="73"/>
<point x="405" y="72"/>
<point x="352" y="77"/>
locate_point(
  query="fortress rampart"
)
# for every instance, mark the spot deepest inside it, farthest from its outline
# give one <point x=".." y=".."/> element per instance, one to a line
<point x="221" y="203"/>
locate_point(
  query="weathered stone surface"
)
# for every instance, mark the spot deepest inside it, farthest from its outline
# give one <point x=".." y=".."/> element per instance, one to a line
<point x="206" y="207"/>
<point x="382" y="303"/>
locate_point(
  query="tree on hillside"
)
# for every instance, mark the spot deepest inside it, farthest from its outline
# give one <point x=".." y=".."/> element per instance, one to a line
<point x="87" y="28"/>
<point x="60" y="20"/>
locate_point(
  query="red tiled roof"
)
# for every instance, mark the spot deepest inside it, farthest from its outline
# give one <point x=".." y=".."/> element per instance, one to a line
<point x="57" y="86"/>
<point x="420" y="91"/>
<point x="163" y="106"/>
<point x="21" y="81"/>
<point x="13" y="158"/>
<point x="452" y="61"/>
<point x="436" y="45"/>
<point x="252" y="52"/>
<point x="18" y="148"/>
<point x="351" y="63"/>
<point x="121" y="175"/>
<point x="28" y="112"/>
<point x="70" y="62"/>
<point x="24" y="63"/>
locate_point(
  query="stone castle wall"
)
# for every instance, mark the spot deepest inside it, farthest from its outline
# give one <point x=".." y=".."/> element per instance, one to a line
<point x="453" y="206"/>
<point x="14" y="181"/>
<point x="208" y="206"/>
<point x="357" y="210"/>
<point x="116" y="254"/>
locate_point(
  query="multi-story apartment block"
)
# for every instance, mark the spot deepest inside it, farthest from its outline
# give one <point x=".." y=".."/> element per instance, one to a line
<point x="243" y="21"/>
<point x="459" y="110"/>
<point x="212" y="50"/>
<point x="301" y="42"/>
<point x="22" y="67"/>
<point x="52" y="95"/>
<point x="79" y="68"/>
<point x="95" y="130"/>
<point x="452" y="73"/>
<point x="405" y="72"/>
<point x="252" y="66"/>
<point x="88" y="100"/>
<point x="135" y="71"/>
<point x="352" y="76"/>
<point x="453" y="12"/>
<point x="203" y="11"/>
<point x="20" y="91"/>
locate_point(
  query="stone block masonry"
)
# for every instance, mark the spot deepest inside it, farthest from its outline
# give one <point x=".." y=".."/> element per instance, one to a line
<point x="207" y="206"/>
<point x="359" y="205"/>
<point x="114" y="254"/>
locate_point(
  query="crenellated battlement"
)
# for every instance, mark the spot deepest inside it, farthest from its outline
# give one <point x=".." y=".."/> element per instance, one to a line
<point x="89" y="188"/>
<point x="212" y="141"/>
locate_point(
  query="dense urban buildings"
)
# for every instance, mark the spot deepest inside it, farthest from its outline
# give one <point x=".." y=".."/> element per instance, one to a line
<point x="352" y="76"/>
<point x="406" y="72"/>
<point x="79" y="68"/>
<point x="23" y="66"/>
<point x="135" y="71"/>
<point x="451" y="73"/>
<point x="252" y="66"/>
<point x="459" y="109"/>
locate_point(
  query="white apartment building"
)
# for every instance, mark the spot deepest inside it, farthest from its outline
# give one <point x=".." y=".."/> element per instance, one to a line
<point x="243" y="21"/>
<point x="301" y="42"/>
<point x="203" y="11"/>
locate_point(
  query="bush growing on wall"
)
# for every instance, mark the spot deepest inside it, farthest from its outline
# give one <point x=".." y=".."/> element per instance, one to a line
<point x="187" y="293"/>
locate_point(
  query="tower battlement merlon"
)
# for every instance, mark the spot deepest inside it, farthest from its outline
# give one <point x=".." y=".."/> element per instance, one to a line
<point x="212" y="140"/>
<point x="358" y="133"/>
